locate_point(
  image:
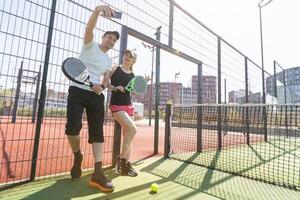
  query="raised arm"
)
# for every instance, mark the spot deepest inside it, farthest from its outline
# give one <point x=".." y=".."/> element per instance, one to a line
<point x="102" y="10"/>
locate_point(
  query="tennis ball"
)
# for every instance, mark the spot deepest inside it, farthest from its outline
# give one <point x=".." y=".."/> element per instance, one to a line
<point x="154" y="187"/>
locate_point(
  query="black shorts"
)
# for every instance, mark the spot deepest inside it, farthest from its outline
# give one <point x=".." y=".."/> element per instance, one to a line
<point x="78" y="99"/>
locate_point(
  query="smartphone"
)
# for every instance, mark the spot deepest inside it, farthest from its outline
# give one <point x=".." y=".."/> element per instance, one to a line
<point x="118" y="15"/>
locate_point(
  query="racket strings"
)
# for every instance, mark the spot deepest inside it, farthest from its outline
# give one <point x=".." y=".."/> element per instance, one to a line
<point x="139" y="85"/>
<point x="75" y="69"/>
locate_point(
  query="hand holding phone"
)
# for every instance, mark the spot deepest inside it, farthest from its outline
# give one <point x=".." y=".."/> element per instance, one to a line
<point x="117" y="15"/>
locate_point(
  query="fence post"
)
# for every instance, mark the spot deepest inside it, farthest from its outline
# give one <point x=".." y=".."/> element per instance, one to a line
<point x="157" y="97"/>
<point x="247" y="101"/>
<point x="167" y="130"/>
<point x="199" y="109"/>
<point x="116" y="142"/>
<point x="219" y="96"/>
<point x="171" y="19"/>
<point x="275" y="80"/>
<point x="19" y="81"/>
<point x="265" y="114"/>
<point x="36" y="96"/>
<point x="117" y="127"/>
<point x="43" y="95"/>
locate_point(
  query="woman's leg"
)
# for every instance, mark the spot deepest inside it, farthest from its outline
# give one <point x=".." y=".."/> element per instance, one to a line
<point x="129" y="131"/>
<point x="130" y="146"/>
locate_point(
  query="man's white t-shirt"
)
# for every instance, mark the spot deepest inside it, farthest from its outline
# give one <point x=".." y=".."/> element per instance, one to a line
<point x="96" y="61"/>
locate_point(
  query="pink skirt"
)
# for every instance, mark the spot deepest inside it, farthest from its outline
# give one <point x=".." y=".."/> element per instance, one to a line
<point x="127" y="108"/>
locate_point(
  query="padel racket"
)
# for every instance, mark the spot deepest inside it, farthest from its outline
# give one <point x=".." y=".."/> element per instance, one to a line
<point x="76" y="71"/>
<point x="137" y="85"/>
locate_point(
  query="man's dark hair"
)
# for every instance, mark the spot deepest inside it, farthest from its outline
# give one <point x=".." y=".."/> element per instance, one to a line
<point x="112" y="32"/>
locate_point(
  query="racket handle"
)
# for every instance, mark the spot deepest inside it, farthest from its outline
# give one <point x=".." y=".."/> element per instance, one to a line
<point x="118" y="90"/>
<point x="91" y="85"/>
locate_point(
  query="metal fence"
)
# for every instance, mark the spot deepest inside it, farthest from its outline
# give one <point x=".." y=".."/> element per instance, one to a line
<point x="239" y="144"/>
<point x="37" y="35"/>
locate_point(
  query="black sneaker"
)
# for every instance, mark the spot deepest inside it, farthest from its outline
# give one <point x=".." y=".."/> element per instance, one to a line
<point x="76" y="170"/>
<point x="101" y="182"/>
<point x="131" y="171"/>
<point x="126" y="168"/>
<point x="118" y="165"/>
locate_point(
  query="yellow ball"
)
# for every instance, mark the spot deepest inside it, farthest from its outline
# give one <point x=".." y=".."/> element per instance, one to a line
<point x="154" y="187"/>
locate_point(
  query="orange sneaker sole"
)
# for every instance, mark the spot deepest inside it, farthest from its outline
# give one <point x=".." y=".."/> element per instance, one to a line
<point x="96" y="185"/>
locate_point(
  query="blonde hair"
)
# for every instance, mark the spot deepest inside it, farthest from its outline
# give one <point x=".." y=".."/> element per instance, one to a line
<point x="131" y="67"/>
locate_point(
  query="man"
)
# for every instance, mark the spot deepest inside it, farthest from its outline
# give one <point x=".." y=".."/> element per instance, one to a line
<point x="81" y="97"/>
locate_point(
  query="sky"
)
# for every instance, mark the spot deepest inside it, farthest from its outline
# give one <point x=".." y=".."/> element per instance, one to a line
<point x="237" y="21"/>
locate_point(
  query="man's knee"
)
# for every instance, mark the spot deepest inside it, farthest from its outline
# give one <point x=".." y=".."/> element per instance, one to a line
<point x="73" y="130"/>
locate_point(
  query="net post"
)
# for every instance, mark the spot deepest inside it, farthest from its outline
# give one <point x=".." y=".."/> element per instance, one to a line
<point x="167" y="130"/>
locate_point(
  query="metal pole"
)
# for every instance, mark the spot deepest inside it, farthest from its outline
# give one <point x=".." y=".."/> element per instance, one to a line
<point x="171" y="20"/>
<point x="157" y="97"/>
<point x="167" y="130"/>
<point x="284" y="87"/>
<point x="262" y="58"/>
<point x="19" y="81"/>
<point x="151" y="90"/>
<point x="225" y="97"/>
<point x="43" y="94"/>
<point x="199" y="109"/>
<point x="219" y="96"/>
<point x="275" y="79"/>
<point x="117" y="126"/>
<point x="263" y="78"/>
<point x="286" y="107"/>
<point x="116" y="142"/>
<point x="37" y="89"/>
<point x="247" y="101"/>
<point x="284" y="79"/>
<point x="246" y="81"/>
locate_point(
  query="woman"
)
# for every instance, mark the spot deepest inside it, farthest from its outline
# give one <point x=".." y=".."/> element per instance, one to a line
<point x="123" y="111"/>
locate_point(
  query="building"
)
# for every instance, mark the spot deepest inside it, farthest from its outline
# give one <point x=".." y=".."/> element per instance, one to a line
<point x="234" y="95"/>
<point x="291" y="90"/>
<point x="187" y="95"/>
<point x="168" y="91"/>
<point x="209" y="89"/>
<point x="252" y="98"/>
<point x="238" y="96"/>
<point x="179" y="94"/>
<point x="54" y="100"/>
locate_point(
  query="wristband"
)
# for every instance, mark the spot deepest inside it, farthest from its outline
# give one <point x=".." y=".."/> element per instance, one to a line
<point x="103" y="87"/>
